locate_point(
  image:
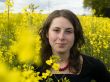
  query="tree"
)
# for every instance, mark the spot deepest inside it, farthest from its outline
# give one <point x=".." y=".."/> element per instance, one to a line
<point x="101" y="7"/>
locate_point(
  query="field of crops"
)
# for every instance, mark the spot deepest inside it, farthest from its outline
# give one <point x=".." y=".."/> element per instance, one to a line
<point x="20" y="44"/>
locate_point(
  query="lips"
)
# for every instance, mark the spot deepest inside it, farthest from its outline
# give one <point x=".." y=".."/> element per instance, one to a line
<point x="61" y="43"/>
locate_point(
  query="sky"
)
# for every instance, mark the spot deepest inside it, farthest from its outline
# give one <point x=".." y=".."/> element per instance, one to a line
<point x="48" y="5"/>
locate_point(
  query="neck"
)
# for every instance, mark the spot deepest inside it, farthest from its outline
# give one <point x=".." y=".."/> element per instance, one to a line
<point x="63" y="59"/>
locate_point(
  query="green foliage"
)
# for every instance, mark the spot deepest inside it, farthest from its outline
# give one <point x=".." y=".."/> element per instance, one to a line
<point x="65" y="80"/>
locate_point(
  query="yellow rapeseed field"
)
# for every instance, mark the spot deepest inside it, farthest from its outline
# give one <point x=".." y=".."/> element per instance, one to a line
<point x="20" y="44"/>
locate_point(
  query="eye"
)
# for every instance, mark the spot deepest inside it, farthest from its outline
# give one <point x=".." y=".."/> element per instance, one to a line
<point x="69" y="31"/>
<point x="56" y="30"/>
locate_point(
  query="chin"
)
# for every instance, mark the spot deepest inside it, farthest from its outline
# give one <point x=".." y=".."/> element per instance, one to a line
<point x="61" y="51"/>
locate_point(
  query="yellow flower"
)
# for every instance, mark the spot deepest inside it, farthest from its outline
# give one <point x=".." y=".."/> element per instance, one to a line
<point x="45" y="75"/>
<point x="48" y="72"/>
<point x="49" y="62"/>
<point x="38" y="77"/>
<point x="55" y="66"/>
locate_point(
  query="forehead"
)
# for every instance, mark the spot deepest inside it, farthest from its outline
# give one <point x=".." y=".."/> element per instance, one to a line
<point x="61" y="22"/>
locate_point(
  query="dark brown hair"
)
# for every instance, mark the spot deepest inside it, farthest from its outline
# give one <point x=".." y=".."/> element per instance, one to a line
<point x="46" y="51"/>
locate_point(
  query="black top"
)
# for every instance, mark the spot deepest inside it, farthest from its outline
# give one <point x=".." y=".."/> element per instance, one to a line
<point x="92" y="69"/>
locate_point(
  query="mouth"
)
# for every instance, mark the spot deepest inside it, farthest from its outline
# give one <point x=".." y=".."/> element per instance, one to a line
<point x="61" y="45"/>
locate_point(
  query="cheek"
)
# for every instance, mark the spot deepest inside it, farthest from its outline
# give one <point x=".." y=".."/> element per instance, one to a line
<point x="51" y="38"/>
<point x="71" y="40"/>
<point x="51" y="35"/>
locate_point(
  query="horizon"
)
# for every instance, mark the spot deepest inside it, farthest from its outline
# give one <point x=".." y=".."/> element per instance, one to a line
<point x="48" y="6"/>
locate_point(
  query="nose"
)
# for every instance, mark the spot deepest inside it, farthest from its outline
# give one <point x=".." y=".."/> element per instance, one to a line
<point x="61" y="36"/>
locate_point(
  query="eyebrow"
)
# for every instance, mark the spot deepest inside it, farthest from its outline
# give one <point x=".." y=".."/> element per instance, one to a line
<point x="69" y="28"/>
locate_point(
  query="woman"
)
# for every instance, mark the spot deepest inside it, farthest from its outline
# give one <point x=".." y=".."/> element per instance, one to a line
<point x="62" y="35"/>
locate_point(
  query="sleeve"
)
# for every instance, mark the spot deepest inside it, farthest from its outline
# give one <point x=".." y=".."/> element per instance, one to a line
<point x="101" y="74"/>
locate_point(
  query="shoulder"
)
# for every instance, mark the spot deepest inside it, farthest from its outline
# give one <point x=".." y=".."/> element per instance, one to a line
<point x="97" y="67"/>
<point x="94" y="64"/>
<point x="92" y="61"/>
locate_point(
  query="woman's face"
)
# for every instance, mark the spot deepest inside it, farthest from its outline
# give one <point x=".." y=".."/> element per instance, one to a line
<point x="61" y="35"/>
